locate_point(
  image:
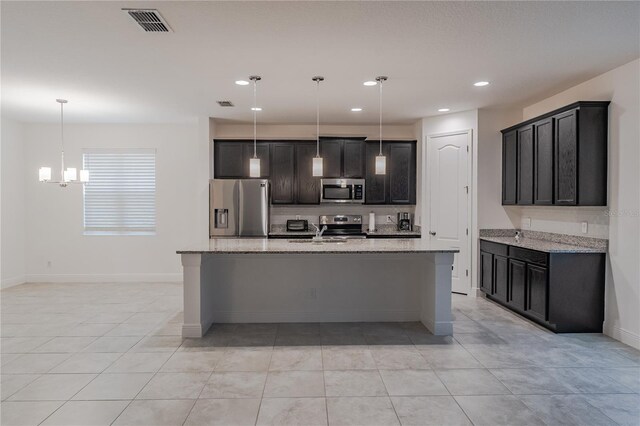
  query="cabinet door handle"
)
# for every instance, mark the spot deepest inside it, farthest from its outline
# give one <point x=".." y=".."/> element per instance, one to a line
<point x="432" y="233"/>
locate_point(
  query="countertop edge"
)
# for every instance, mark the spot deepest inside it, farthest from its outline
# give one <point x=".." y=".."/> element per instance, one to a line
<point x="570" y="249"/>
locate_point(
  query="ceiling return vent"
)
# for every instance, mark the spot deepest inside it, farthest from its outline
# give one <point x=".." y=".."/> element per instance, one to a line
<point x="225" y="103"/>
<point x="150" y="20"/>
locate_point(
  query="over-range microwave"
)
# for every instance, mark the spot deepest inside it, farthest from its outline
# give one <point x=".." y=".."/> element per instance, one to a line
<point x="342" y="191"/>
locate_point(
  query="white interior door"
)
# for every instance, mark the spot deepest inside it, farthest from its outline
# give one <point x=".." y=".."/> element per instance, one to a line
<point x="449" y="200"/>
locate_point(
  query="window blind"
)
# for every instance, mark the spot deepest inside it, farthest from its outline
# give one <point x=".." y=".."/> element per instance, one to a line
<point x="120" y="197"/>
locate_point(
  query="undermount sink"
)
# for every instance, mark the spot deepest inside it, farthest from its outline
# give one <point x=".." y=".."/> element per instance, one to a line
<point x="319" y="241"/>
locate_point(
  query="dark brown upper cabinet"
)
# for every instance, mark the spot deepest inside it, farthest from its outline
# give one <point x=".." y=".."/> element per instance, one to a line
<point x="525" y="165"/>
<point x="307" y="186"/>
<point x="375" y="185"/>
<point x="231" y="158"/>
<point x="401" y="169"/>
<point x="353" y="158"/>
<point x="543" y="154"/>
<point x="331" y="151"/>
<point x="509" y="161"/>
<point x="342" y="157"/>
<point x="566" y="161"/>
<point x="227" y="160"/>
<point x="283" y="173"/>
<point x="288" y="165"/>
<point x="559" y="158"/>
<point x="398" y="184"/>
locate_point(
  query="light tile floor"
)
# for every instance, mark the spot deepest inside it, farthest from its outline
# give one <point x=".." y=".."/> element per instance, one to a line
<point x="100" y="354"/>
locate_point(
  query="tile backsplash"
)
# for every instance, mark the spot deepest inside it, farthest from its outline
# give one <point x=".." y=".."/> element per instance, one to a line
<point x="280" y="214"/>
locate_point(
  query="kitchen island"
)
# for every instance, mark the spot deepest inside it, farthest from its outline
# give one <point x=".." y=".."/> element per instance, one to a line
<point x="260" y="280"/>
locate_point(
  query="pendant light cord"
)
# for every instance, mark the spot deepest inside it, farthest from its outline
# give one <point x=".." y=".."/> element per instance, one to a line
<point x="255" y="111"/>
<point x="380" y="107"/>
<point x="62" y="140"/>
<point x="318" y="118"/>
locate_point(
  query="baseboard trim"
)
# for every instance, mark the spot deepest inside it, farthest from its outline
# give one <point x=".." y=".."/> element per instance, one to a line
<point x="625" y="336"/>
<point x="440" y="328"/>
<point x="346" y="316"/>
<point x="13" y="281"/>
<point x="103" y="278"/>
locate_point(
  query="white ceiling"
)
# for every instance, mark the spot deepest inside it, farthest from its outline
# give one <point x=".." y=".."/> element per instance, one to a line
<point x="111" y="71"/>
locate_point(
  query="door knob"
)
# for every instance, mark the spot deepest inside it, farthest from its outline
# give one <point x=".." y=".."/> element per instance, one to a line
<point x="432" y="233"/>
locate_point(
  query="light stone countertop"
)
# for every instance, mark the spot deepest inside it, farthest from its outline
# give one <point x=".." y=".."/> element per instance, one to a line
<point x="283" y="246"/>
<point x="544" y="245"/>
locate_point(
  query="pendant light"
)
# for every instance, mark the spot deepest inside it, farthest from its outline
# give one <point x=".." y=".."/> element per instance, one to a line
<point x="381" y="160"/>
<point x="254" y="162"/>
<point x="70" y="174"/>
<point x="317" y="168"/>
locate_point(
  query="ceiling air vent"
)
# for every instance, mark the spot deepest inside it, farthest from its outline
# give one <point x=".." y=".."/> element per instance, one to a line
<point x="225" y="103"/>
<point x="150" y="20"/>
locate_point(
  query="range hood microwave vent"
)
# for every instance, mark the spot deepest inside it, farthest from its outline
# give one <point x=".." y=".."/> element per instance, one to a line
<point x="150" y="20"/>
<point x="225" y="103"/>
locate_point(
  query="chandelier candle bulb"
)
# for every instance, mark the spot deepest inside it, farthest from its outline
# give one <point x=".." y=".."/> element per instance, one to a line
<point x="44" y="174"/>
<point x="71" y="173"/>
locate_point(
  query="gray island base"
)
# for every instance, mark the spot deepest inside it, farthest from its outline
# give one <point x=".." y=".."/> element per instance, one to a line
<point x="233" y="280"/>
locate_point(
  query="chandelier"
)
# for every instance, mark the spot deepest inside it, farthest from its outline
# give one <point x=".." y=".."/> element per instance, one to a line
<point x="70" y="174"/>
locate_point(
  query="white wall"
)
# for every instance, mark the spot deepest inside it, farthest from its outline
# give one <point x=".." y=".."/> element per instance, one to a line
<point x="54" y="224"/>
<point x="491" y="213"/>
<point x="444" y="124"/>
<point x="622" y="87"/>
<point x="12" y="216"/>
<point x="308" y="131"/>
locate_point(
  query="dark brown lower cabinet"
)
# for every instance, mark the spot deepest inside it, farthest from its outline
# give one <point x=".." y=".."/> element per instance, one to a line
<point x="563" y="292"/>
<point x="500" y="278"/>
<point x="516" y="286"/>
<point x="486" y="272"/>
<point x="537" y="291"/>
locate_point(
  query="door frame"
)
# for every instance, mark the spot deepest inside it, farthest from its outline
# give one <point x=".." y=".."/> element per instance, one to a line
<point x="470" y="197"/>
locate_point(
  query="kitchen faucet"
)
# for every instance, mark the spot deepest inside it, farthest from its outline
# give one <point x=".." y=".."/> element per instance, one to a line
<point x="319" y="231"/>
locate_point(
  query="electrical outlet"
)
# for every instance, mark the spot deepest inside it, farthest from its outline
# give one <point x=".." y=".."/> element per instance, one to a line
<point x="585" y="228"/>
<point x="389" y="218"/>
<point x="297" y="217"/>
<point x="526" y="223"/>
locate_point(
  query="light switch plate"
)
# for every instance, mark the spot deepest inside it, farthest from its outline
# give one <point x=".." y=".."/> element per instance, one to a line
<point x="584" y="227"/>
<point x="526" y="223"/>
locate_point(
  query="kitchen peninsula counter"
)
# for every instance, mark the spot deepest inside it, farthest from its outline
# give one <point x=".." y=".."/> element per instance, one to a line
<point x="261" y="280"/>
<point x="282" y="246"/>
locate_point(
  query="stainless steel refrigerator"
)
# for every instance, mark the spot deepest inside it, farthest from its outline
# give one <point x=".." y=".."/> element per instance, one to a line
<point x="239" y="208"/>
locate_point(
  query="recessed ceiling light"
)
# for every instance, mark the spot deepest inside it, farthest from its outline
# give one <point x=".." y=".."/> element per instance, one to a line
<point x="356" y="109"/>
<point x="444" y="110"/>
<point x="242" y="82"/>
<point x="481" y="83"/>
<point x="256" y="109"/>
<point x="370" y="83"/>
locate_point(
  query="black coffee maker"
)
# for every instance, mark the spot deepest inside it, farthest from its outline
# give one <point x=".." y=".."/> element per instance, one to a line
<point x="405" y="221"/>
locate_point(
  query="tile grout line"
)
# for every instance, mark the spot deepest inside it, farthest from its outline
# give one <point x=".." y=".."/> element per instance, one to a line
<point x="148" y="381"/>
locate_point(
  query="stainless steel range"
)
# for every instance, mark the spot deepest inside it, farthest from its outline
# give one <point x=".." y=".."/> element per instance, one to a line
<point x="343" y="225"/>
